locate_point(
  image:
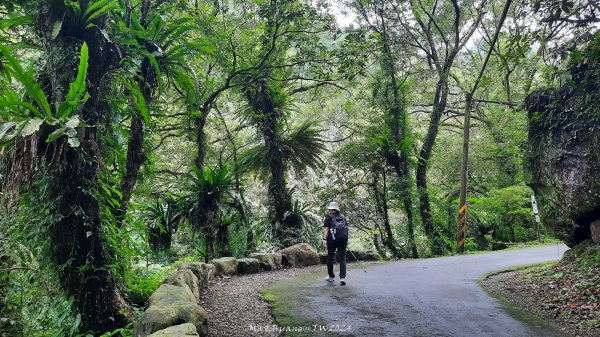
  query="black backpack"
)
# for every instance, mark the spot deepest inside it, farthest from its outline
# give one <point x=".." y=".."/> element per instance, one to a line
<point x="339" y="227"/>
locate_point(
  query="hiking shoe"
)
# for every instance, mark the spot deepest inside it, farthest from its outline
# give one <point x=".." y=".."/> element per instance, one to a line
<point x="342" y="281"/>
<point x="329" y="279"/>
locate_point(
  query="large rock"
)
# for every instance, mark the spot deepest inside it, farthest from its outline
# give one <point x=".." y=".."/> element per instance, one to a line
<point x="277" y="259"/>
<point x="169" y="294"/>
<point x="268" y="261"/>
<point x="210" y="270"/>
<point x="225" y="265"/>
<point x="265" y="260"/>
<point x="204" y="272"/>
<point x="362" y="255"/>
<point x="171" y="305"/>
<point x="182" y="330"/>
<point x="248" y="266"/>
<point x="159" y="317"/>
<point x="562" y="163"/>
<point x="184" y="277"/>
<point x="300" y="255"/>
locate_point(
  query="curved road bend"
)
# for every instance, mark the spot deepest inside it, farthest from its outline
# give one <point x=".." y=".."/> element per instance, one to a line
<point x="425" y="298"/>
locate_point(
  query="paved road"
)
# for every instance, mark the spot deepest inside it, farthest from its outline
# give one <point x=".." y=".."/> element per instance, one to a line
<point x="424" y="298"/>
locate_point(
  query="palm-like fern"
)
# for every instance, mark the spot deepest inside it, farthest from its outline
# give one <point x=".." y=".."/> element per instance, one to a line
<point x="301" y="148"/>
<point x="166" y="215"/>
<point x="208" y="192"/>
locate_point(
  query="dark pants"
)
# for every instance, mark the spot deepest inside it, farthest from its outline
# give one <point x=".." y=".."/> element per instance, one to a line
<point x="340" y="245"/>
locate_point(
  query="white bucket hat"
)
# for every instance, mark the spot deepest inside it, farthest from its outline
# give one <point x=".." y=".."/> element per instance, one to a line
<point x="333" y="205"/>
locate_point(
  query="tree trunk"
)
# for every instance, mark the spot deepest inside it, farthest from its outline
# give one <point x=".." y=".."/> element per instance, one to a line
<point x="279" y="197"/>
<point x="78" y="247"/>
<point x="397" y="154"/>
<point x="377" y="245"/>
<point x="200" y="122"/>
<point x="382" y="209"/>
<point x="285" y="225"/>
<point x="223" y="239"/>
<point x="440" y="100"/>
<point x="136" y="154"/>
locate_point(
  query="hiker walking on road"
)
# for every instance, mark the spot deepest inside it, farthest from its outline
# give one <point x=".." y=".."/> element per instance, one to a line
<point x="335" y="237"/>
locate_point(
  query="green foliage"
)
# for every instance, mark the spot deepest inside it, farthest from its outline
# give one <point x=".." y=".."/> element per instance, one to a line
<point x="17" y="112"/>
<point x="165" y="215"/>
<point x="83" y="13"/>
<point x="208" y="189"/>
<point x="141" y="282"/>
<point x="301" y="148"/>
<point x="30" y="292"/>
<point x="503" y="216"/>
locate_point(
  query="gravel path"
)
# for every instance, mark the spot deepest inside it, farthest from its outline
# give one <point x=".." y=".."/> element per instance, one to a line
<point x="234" y="305"/>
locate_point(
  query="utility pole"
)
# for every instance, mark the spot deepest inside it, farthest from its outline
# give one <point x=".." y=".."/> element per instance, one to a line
<point x="462" y="208"/>
<point x="534" y="206"/>
<point x="462" y="211"/>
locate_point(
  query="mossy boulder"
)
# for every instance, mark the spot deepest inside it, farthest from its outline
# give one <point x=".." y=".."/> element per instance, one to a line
<point x="362" y="255"/>
<point x="159" y="317"/>
<point x="300" y="255"/>
<point x="562" y="163"/>
<point x="595" y="231"/>
<point x="184" y="277"/>
<point x="267" y="261"/>
<point x="248" y="266"/>
<point x="277" y="259"/>
<point x="323" y="258"/>
<point x="181" y="330"/>
<point x="225" y="266"/>
<point x="203" y="271"/>
<point x="172" y="305"/>
<point x="169" y="294"/>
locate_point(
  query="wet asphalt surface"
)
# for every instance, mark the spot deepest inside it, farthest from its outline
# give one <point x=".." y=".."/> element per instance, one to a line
<point x="435" y="297"/>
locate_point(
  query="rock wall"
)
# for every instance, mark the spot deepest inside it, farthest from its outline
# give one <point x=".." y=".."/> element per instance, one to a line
<point x="562" y="161"/>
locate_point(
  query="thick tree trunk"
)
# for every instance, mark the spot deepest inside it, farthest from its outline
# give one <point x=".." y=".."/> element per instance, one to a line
<point x="377" y="244"/>
<point x="440" y="100"/>
<point x="223" y="239"/>
<point x="382" y="209"/>
<point x="79" y="249"/>
<point x="397" y="153"/>
<point x="282" y="219"/>
<point x="136" y="154"/>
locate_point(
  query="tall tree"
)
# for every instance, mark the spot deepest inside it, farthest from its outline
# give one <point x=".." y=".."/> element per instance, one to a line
<point x="440" y="36"/>
<point x="397" y="148"/>
<point x="290" y="56"/>
<point x="69" y="146"/>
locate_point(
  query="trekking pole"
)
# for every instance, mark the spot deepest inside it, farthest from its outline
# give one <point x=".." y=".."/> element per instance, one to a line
<point x="360" y="265"/>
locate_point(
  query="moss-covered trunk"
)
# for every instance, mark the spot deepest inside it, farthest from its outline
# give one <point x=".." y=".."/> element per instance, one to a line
<point x="83" y="258"/>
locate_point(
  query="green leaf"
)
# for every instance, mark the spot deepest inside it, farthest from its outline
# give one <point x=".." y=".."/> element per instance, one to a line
<point x="57" y="134"/>
<point x="16" y="20"/>
<point x="5" y="127"/>
<point x="56" y="29"/>
<point x="73" y="142"/>
<point x="9" y="130"/>
<point x="76" y="95"/>
<point x="73" y="122"/>
<point x="11" y="101"/>
<point x="32" y="126"/>
<point x="139" y="102"/>
<point x="32" y="88"/>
